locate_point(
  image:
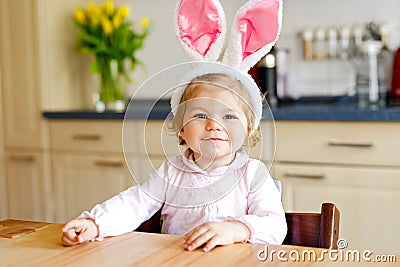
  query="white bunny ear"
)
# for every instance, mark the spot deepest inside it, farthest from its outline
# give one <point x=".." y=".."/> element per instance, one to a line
<point x="201" y="28"/>
<point x="255" y="30"/>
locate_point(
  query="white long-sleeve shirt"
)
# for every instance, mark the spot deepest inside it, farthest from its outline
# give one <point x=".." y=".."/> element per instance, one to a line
<point x="243" y="191"/>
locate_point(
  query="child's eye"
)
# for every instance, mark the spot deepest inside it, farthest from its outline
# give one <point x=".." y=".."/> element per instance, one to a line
<point x="200" y="116"/>
<point x="229" y="117"/>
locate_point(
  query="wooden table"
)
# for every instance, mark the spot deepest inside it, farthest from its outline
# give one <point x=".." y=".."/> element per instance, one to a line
<point x="43" y="248"/>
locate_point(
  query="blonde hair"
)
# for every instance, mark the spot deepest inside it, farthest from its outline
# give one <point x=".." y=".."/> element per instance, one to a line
<point x="224" y="81"/>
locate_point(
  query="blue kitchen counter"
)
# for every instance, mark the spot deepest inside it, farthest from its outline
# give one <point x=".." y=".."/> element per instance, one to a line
<point x="343" y="109"/>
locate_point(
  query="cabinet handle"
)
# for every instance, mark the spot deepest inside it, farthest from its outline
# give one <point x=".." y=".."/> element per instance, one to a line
<point x="107" y="163"/>
<point x="359" y="144"/>
<point x="304" y="175"/>
<point x="22" y="158"/>
<point x="92" y="137"/>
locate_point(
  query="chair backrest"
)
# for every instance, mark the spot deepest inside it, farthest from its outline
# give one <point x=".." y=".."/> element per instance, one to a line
<point x="152" y="225"/>
<point x="319" y="230"/>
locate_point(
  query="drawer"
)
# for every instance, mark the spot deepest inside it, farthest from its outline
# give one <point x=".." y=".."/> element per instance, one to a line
<point x="364" y="143"/>
<point x="357" y="191"/>
<point x="86" y="135"/>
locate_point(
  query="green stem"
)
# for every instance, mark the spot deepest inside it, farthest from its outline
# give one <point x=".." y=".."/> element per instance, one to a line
<point x="110" y="85"/>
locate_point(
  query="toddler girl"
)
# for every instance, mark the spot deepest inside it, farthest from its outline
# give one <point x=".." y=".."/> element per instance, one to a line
<point x="214" y="194"/>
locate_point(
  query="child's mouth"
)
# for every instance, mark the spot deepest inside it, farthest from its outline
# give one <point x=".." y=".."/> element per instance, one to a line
<point x="215" y="139"/>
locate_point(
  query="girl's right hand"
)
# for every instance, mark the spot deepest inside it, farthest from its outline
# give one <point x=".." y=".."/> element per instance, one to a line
<point x="78" y="231"/>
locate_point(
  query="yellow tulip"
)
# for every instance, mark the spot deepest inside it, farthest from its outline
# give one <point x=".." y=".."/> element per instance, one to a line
<point x="145" y="22"/>
<point x="117" y="21"/>
<point x="94" y="14"/>
<point x="106" y="25"/>
<point x="94" y="10"/>
<point x="123" y="11"/>
<point x="94" y="21"/>
<point x="108" y="8"/>
<point x="80" y="15"/>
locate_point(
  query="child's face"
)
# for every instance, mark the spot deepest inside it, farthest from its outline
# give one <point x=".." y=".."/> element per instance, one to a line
<point x="214" y="124"/>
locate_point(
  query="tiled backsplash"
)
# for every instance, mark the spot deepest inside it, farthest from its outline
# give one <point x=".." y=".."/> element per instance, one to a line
<point x="330" y="77"/>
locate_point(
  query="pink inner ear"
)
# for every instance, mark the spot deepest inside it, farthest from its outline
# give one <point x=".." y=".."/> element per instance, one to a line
<point x="258" y="26"/>
<point x="199" y="24"/>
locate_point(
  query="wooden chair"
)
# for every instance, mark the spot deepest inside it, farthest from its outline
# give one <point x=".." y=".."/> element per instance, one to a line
<point x="152" y="225"/>
<point x="319" y="230"/>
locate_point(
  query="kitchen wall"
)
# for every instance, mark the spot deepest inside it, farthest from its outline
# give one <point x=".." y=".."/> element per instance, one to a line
<point x="325" y="77"/>
<point x="67" y="82"/>
<point x="331" y="77"/>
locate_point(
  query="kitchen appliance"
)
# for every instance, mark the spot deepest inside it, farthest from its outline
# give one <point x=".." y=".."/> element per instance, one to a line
<point x="273" y="76"/>
<point x="266" y="73"/>
<point x="370" y="89"/>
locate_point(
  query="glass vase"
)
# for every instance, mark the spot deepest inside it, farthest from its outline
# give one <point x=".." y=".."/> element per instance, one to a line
<point x="111" y="95"/>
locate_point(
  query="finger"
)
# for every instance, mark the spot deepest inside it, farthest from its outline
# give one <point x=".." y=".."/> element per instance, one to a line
<point x="201" y="240"/>
<point x="66" y="241"/>
<point x="86" y="234"/>
<point x="195" y="233"/>
<point x="212" y="243"/>
<point x="72" y="224"/>
<point x="70" y="234"/>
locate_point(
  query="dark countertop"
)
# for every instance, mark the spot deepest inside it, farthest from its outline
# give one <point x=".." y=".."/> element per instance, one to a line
<point x="310" y="109"/>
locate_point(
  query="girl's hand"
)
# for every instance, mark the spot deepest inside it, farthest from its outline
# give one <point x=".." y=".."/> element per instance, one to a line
<point x="77" y="231"/>
<point x="216" y="233"/>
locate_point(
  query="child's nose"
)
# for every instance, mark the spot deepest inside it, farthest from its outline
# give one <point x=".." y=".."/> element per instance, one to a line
<point x="212" y="124"/>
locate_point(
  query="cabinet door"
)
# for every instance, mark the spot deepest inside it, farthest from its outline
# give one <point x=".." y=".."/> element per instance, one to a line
<point x="84" y="180"/>
<point x="28" y="186"/>
<point x="20" y="76"/>
<point x="366" y="197"/>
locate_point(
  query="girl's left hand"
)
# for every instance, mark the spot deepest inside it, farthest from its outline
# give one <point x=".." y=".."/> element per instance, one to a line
<point x="216" y="233"/>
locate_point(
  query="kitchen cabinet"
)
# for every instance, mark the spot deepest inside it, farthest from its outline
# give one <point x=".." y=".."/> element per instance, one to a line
<point x="20" y="76"/>
<point x="28" y="186"/>
<point x="351" y="164"/>
<point x="88" y="166"/>
<point x="24" y="131"/>
<point x="82" y="181"/>
<point x="348" y="163"/>
<point x="40" y="70"/>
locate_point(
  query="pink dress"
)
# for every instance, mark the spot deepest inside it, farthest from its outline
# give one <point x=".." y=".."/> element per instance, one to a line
<point x="243" y="191"/>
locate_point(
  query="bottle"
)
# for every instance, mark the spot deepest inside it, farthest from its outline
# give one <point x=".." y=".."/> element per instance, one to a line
<point x="344" y="45"/>
<point x="307" y="44"/>
<point x="332" y="43"/>
<point x="282" y="75"/>
<point x="368" y="89"/>
<point x="320" y="44"/>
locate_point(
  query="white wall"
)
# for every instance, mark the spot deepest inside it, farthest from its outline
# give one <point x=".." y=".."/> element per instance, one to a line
<point x="161" y="49"/>
<point x="321" y="78"/>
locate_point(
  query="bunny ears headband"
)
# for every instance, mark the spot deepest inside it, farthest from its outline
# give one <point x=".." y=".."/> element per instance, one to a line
<point x="201" y="30"/>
